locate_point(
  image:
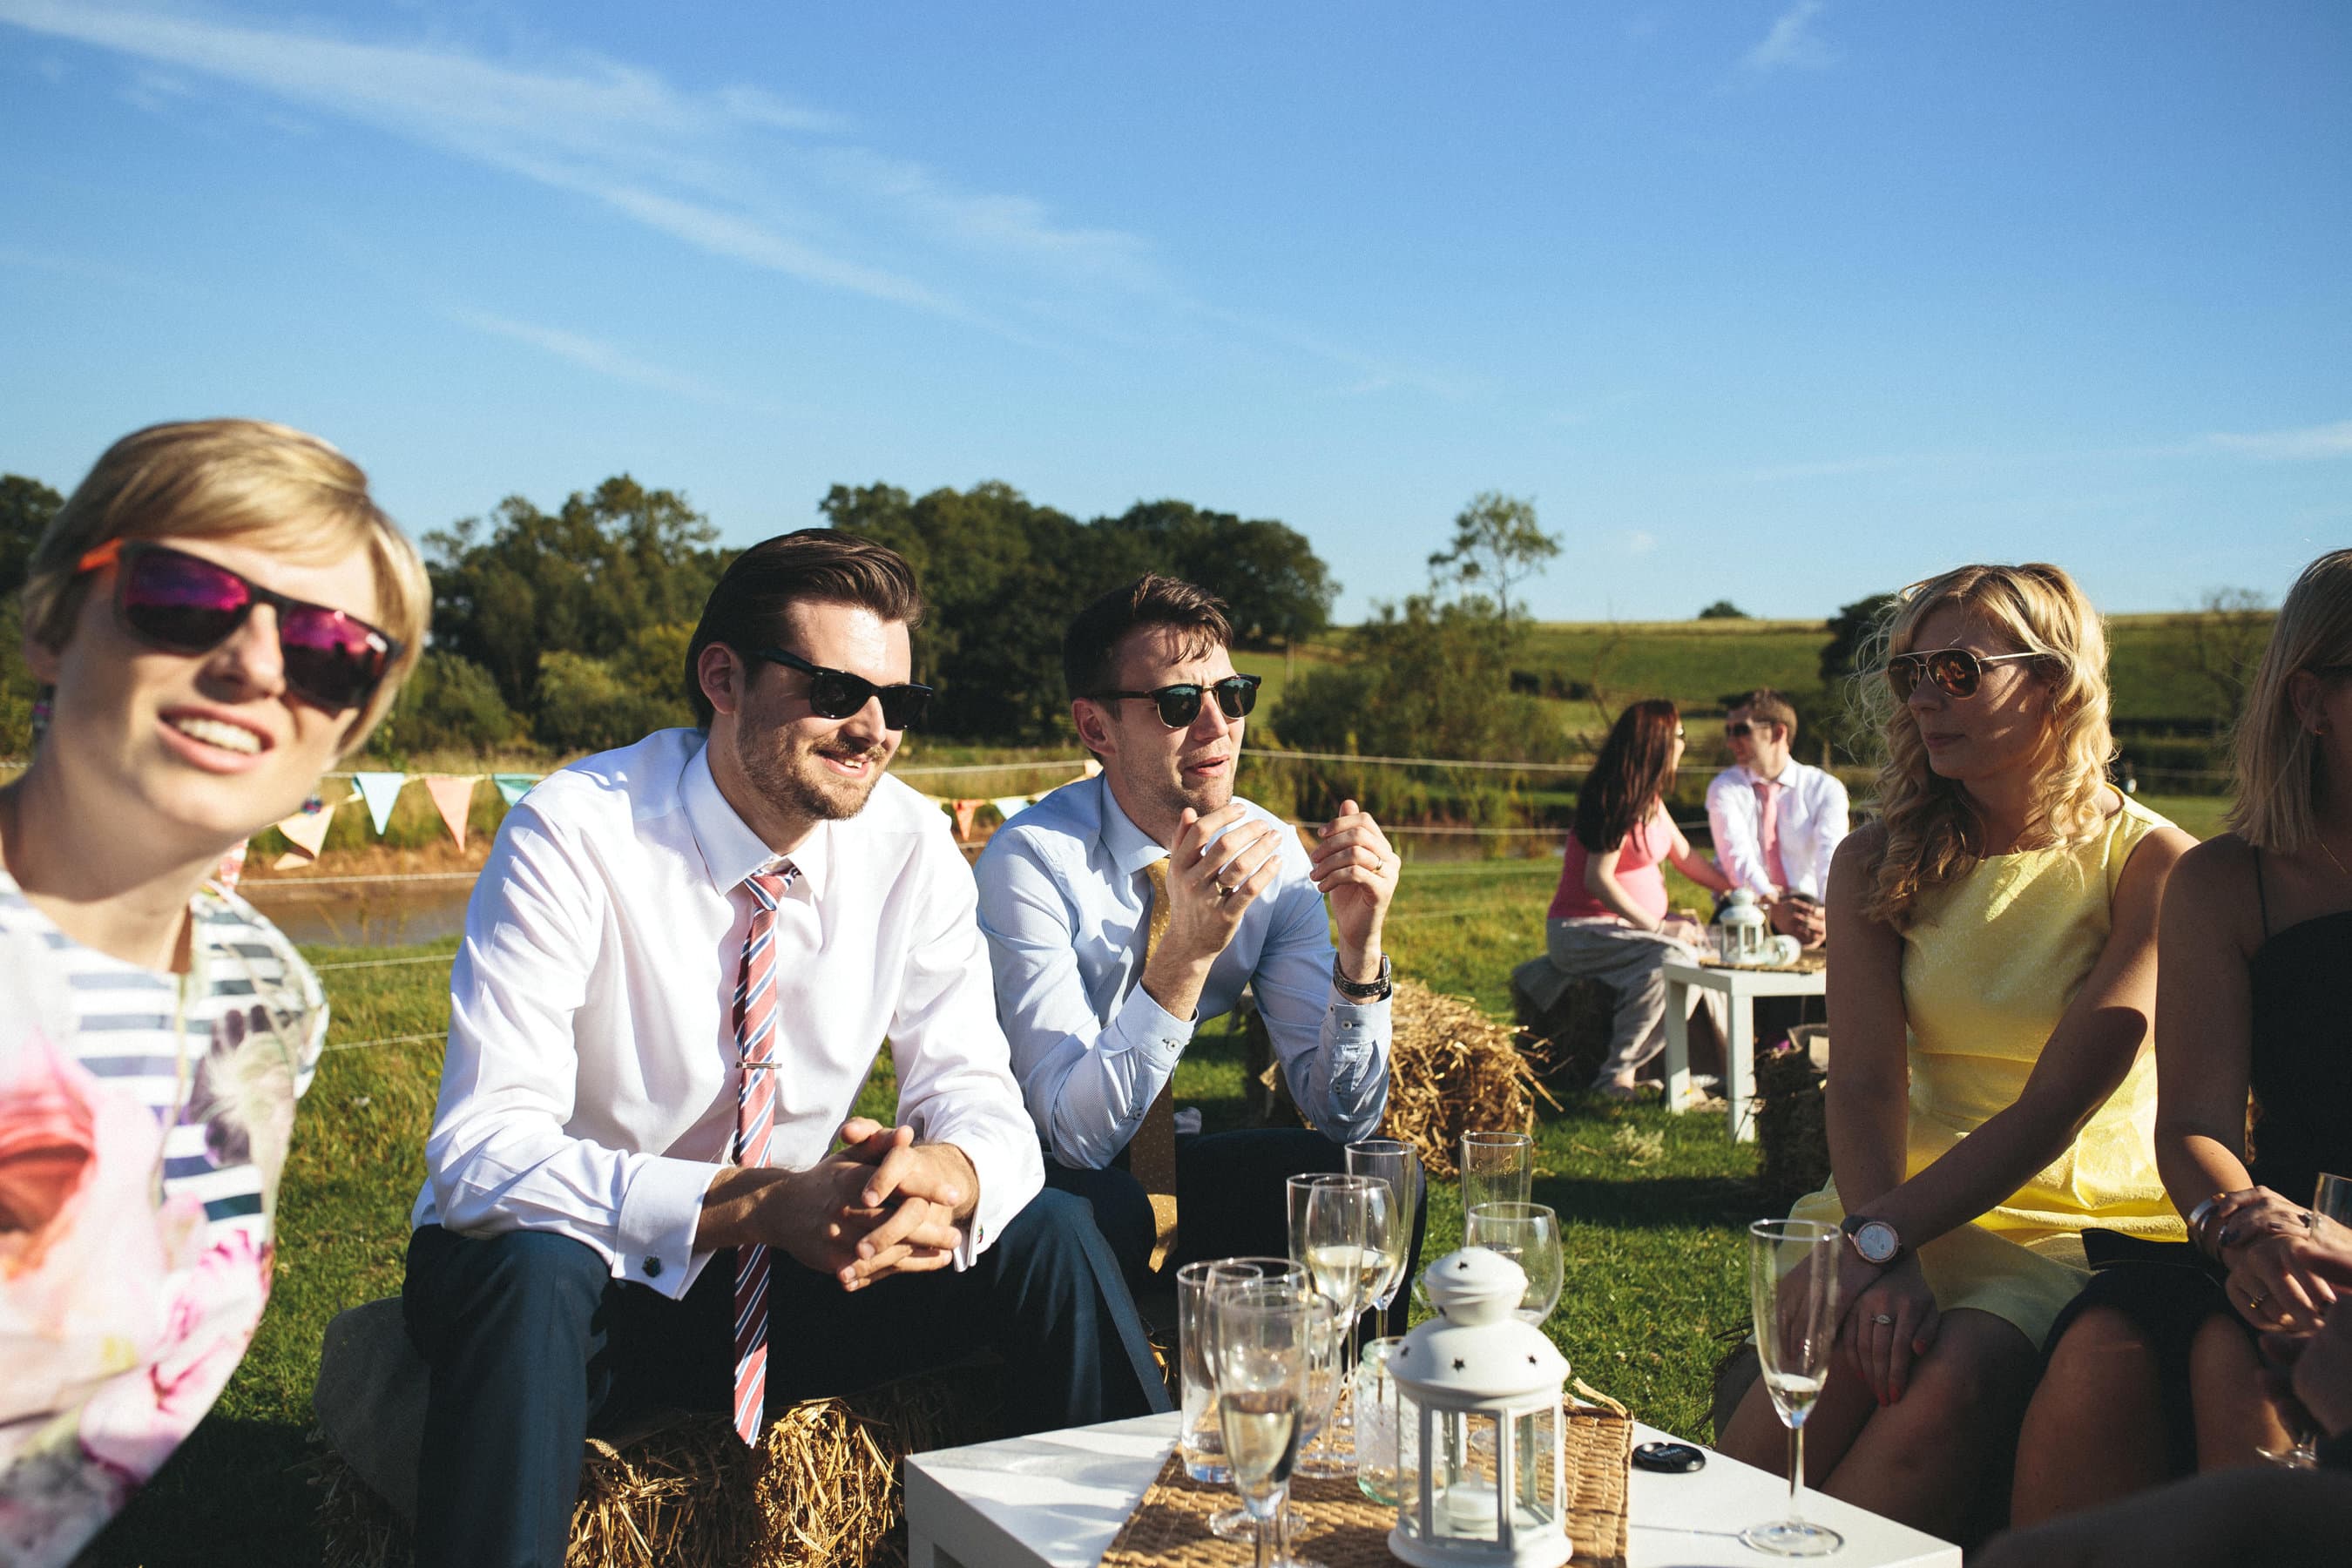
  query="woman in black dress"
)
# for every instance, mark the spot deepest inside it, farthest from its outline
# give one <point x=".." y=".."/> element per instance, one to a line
<point x="2154" y="1371"/>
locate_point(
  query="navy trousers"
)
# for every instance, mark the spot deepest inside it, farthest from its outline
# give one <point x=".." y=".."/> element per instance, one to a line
<point x="534" y="1345"/>
<point x="1232" y="1201"/>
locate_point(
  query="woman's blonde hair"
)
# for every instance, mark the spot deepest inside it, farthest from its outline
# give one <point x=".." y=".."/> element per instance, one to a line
<point x="1933" y="834"/>
<point x="2277" y="760"/>
<point x="223" y="477"/>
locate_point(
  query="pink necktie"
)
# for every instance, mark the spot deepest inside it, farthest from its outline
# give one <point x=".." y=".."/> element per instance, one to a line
<point x="1768" y="833"/>
<point x="755" y="1116"/>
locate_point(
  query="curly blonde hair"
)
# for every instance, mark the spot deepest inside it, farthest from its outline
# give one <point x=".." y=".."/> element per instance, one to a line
<point x="1933" y="835"/>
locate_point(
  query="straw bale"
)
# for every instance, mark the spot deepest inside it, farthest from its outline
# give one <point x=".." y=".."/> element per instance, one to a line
<point x="1791" y="1123"/>
<point x="1452" y="1070"/>
<point x="824" y="1490"/>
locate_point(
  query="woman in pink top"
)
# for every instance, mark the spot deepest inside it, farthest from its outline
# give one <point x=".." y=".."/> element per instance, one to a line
<point x="1608" y="920"/>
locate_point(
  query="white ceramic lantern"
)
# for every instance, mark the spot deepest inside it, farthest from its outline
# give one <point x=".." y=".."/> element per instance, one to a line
<point x="1742" y="934"/>
<point x="1485" y="1387"/>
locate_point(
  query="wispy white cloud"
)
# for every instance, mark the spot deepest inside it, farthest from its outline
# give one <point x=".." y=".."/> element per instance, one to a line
<point x="2315" y="444"/>
<point x="88" y="270"/>
<point x="1792" y="45"/>
<point x="1640" y="541"/>
<point x="589" y="354"/>
<point x="736" y="173"/>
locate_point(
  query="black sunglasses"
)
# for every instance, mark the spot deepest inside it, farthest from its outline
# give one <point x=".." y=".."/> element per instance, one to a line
<point x="1954" y="670"/>
<point x="838" y="694"/>
<point x="1181" y="704"/>
<point x="184" y="603"/>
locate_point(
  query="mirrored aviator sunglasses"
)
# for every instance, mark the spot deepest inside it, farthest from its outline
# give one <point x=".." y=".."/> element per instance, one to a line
<point x="838" y="694"/>
<point x="1956" y="671"/>
<point x="1181" y="704"/>
<point x="182" y="604"/>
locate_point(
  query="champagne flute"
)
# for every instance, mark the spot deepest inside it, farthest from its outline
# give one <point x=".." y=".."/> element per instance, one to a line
<point x="1792" y="1286"/>
<point x="1345" y="1248"/>
<point x="1234" y="1523"/>
<point x="1528" y="1234"/>
<point x="2331" y="1199"/>
<point x="1496" y="1168"/>
<point x="1261" y="1330"/>
<point x="1399" y="1165"/>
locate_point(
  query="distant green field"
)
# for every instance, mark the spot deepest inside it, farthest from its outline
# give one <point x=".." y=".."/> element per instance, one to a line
<point x="2153" y="664"/>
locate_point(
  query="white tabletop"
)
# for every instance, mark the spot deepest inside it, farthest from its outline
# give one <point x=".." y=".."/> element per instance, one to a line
<point x="1059" y="1497"/>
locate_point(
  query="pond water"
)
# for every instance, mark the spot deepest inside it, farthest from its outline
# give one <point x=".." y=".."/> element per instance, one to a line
<point x="363" y="914"/>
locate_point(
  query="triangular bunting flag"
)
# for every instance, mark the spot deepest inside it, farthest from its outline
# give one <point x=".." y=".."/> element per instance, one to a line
<point x="1007" y="804"/>
<point x="513" y="788"/>
<point x="455" y="799"/>
<point x="379" y="790"/>
<point x="965" y="810"/>
<point x="291" y="860"/>
<point x="306" y="830"/>
<point x="1093" y="768"/>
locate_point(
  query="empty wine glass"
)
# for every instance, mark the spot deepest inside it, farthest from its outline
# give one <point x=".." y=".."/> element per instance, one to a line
<point x="1496" y="1168"/>
<point x="1792" y="1287"/>
<point x="1528" y="1234"/>
<point x="1399" y="1165"/>
<point x="1262" y="1329"/>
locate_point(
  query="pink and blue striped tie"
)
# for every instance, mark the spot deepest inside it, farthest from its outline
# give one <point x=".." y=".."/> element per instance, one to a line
<point x="755" y="1116"/>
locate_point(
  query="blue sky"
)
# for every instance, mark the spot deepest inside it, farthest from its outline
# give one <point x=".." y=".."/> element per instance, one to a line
<point x="1786" y="302"/>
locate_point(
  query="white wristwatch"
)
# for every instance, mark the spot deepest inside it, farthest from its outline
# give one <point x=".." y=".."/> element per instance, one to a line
<point x="1874" y="1241"/>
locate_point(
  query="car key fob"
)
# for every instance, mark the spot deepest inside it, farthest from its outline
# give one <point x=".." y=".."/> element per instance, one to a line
<point x="1670" y="1459"/>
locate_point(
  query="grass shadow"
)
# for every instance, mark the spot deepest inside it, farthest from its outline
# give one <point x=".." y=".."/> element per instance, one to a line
<point x="237" y="1492"/>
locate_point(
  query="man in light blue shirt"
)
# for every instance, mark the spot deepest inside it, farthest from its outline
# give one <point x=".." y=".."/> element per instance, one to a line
<point x="1098" y="1011"/>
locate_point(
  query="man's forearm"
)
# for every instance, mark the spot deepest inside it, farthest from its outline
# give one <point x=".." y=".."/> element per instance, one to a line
<point x="730" y="1204"/>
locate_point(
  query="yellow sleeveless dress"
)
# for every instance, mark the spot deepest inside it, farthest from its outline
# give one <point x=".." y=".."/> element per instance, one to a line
<point x="1988" y="971"/>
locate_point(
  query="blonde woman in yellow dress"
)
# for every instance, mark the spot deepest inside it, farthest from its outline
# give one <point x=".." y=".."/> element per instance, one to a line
<point x="1992" y="1093"/>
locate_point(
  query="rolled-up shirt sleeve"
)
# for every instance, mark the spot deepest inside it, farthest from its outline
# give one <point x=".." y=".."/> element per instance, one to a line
<point x="1334" y="1052"/>
<point x="955" y="1074"/>
<point x="1087" y="1084"/>
<point x="499" y="1157"/>
<point x="1829" y="830"/>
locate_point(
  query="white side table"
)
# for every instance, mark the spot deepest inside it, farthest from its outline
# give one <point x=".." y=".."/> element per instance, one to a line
<point x="1059" y="1498"/>
<point x="1740" y="987"/>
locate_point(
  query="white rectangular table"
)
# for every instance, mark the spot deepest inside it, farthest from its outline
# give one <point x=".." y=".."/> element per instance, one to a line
<point x="1058" y="1499"/>
<point x="1740" y="987"/>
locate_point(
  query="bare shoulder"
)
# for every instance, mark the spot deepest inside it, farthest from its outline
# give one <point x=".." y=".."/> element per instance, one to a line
<point x="2219" y="872"/>
<point x="1858" y="851"/>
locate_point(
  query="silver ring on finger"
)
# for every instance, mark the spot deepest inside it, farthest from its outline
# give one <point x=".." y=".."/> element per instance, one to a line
<point x="1884" y="1319"/>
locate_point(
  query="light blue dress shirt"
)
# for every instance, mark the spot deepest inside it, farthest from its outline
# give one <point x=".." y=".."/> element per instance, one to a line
<point x="1067" y="907"/>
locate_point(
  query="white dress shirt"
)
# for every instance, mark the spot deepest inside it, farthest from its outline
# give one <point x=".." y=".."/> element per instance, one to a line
<point x="590" y="1082"/>
<point x="1067" y="907"/>
<point x="1811" y="817"/>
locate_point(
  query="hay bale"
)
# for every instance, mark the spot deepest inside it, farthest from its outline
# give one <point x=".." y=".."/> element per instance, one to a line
<point x="1565" y="1025"/>
<point x="1791" y="1117"/>
<point x="823" y="1489"/>
<point x="1452" y="1070"/>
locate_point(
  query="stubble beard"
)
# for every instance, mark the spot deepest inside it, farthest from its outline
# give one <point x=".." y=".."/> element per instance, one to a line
<point x="795" y="780"/>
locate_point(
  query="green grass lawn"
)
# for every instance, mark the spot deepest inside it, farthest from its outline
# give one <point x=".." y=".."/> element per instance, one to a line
<point x="1652" y="1208"/>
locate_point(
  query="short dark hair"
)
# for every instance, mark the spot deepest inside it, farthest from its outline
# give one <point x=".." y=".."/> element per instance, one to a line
<point x="1090" y="646"/>
<point x="1769" y="706"/>
<point x="810" y="566"/>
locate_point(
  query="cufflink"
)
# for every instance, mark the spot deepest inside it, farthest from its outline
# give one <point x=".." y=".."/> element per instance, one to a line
<point x="653" y="1267"/>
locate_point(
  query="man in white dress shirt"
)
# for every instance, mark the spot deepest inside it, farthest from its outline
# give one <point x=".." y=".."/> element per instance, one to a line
<point x="1777" y="821"/>
<point x="1100" y="1008"/>
<point x="646" y="1186"/>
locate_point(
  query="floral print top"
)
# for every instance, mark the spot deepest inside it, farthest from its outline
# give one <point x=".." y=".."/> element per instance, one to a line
<point x="143" y="1125"/>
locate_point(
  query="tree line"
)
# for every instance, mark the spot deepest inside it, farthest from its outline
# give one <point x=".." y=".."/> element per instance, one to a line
<point x="567" y="629"/>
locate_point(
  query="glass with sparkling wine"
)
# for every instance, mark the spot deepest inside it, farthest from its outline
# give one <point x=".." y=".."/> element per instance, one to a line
<point x="1792" y="1284"/>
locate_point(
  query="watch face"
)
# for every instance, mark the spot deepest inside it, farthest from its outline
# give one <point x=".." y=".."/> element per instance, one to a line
<point x="1876" y="1241"/>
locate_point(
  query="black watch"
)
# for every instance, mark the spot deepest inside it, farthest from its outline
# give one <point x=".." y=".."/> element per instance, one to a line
<point x="1874" y="1241"/>
<point x="1354" y="991"/>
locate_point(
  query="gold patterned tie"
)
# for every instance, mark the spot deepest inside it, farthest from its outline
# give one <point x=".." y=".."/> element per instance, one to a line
<point x="1151" y="1152"/>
